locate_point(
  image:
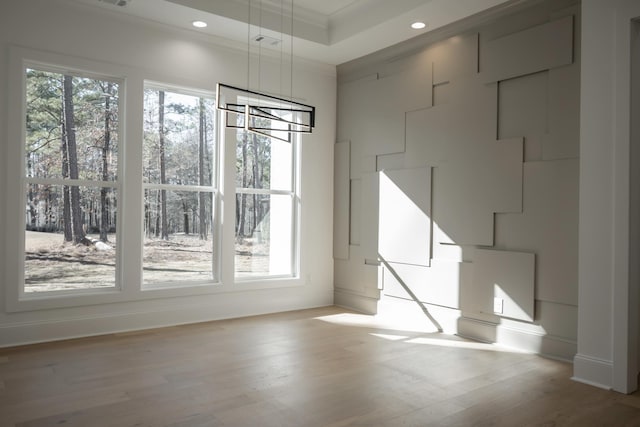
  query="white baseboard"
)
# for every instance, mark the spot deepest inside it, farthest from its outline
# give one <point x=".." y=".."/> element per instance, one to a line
<point x="353" y="301"/>
<point x="592" y="371"/>
<point x="32" y="332"/>
<point x="450" y="321"/>
<point x="546" y="345"/>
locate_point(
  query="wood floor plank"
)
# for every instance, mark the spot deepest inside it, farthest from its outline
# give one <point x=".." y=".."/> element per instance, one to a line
<point x="325" y="367"/>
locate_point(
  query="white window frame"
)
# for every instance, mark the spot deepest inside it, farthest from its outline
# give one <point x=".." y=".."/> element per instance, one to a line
<point x="129" y="187"/>
<point x="25" y="181"/>
<point x="216" y="264"/>
<point x="20" y="60"/>
<point x="294" y="193"/>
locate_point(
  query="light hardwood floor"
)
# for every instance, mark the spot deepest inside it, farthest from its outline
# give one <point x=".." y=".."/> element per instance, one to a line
<point x="320" y="367"/>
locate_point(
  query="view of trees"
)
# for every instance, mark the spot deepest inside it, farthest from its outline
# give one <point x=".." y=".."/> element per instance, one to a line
<point x="178" y="153"/>
<point x="71" y="135"/>
<point x="253" y="170"/>
<point x="178" y="173"/>
<point x="71" y="173"/>
<point x="263" y="188"/>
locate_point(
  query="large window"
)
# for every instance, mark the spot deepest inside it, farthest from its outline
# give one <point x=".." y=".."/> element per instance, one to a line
<point x="110" y="210"/>
<point x="266" y="205"/>
<point x="179" y="188"/>
<point x="70" y="181"/>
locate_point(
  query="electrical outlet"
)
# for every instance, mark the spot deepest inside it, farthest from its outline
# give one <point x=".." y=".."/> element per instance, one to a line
<point x="498" y="305"/>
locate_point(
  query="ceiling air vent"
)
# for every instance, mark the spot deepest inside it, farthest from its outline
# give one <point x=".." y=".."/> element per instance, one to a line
<point x="115" y="2"/>
<point x="261" y="38"/>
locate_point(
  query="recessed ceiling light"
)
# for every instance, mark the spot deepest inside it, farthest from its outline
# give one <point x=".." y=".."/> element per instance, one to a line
<point x="199" y="24"/>
<point x="418" y="25"/>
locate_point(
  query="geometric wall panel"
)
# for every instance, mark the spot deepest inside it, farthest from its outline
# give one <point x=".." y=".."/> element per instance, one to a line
<point x="522" y="111"/>
<point x="372" y="110"/>
<point x="454" y="57"/>
<point x="355" y="276"/>
<point x="448" y="131"/>
<point x="404" y="228"/>
<point x="355" y="211"/>
<point x="468" y="193"/>
<point x="539" y="48"/>
<point x="396" y="216"/>
<point x="547" y="226"/>
<point x="441" y="94"/>
<point x="426" y="137"/>
<point x="564" y="114"/>
<point x="505" y="181"/>
<point x="390" y="161"/>
<point x="492" y="121"/>
<point x="370" y="185"/>
<point x="439" y="284"/>
<point x="462" y="216"/>
<point x="367" y="164"/>
<point x="507" y="277"/>
<point x="564" y="102"/>
<point x="477" y="175"/>
<point x="341" y="200"/>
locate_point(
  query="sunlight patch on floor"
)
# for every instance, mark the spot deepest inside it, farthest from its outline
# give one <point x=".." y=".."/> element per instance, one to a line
<point x="380" y="321"/>
<point x="410" y="330"/>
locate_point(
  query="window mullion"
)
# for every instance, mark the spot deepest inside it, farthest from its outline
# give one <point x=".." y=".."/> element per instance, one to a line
<point x="72" y="182"/>
<point x="132" y="206"/>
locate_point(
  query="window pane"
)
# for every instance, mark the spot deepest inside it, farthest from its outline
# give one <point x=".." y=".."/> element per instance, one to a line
<point x="263" y="163"/>
<point x="263" y="235"/>
<point x="88" y="108"/>
<point x="178" y="138"/>
<point x="183" y="252"/>
<point x="70" y="238"/>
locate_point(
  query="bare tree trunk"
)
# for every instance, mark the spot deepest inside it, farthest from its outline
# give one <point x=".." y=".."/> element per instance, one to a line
<point x="163" y="178"/>
<point x="66" y="197"/>
<point x="31" y="196"/>
<point x="185" y="216"/>
<point x="31" y="202"/>
<point x="194" y="221"/>
<point x="147" y="217"/>
<point x="76" y="211"/>
<point x="49" y="209"/>
<point x="201" y="172"/>
<point x="92" y="214"/>
<point x="104" y="191"/>
<point x="158" y="208"/>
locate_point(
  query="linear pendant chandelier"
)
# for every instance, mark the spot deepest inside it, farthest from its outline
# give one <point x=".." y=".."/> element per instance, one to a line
<point x="254" y="110"/>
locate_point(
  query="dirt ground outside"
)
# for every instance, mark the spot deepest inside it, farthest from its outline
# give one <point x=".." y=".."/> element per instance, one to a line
<point x="52" y="265"/>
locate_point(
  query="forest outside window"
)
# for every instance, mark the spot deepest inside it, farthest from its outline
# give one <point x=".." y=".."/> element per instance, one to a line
<point x="70" y="181"/>
<point x="266" y="204"/>
<point x="179" y="152"/>
<point x="99" y="219"/>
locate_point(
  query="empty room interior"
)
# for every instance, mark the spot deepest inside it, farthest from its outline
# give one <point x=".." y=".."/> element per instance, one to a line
<point x="319" y="213"/>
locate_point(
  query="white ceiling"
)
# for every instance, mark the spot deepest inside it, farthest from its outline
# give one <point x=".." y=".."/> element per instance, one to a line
<point x="328" y="31"/>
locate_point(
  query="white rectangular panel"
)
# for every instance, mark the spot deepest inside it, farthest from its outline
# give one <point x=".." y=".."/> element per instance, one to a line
<point x="341" y="201"/>
<point x="404" y="230"/>
<point x="355" y="211"/>
<point x="439" y="284"/>
<point x="507" y="276"/>
<point x="369" y="217"/>
<point x="539" y="48"/>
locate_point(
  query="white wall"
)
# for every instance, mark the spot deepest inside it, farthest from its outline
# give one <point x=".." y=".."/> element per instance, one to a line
<point x="476" y="135"/>
<point x="608" y="304"/>
<point x="155" y="52"/>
